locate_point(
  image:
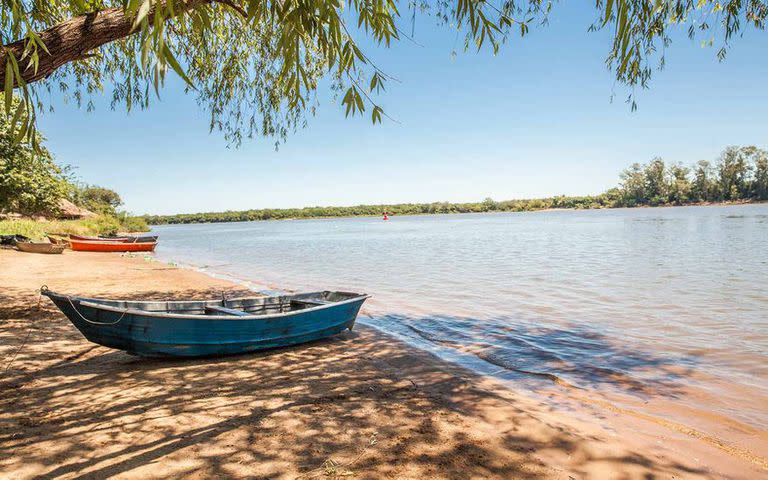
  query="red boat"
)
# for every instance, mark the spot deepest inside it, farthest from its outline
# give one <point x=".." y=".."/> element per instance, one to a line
<point x="106" y="246"/>
<point x="125" y="239"/>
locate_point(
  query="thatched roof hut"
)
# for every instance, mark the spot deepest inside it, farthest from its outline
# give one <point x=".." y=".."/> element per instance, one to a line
<point x="69" y="210"/>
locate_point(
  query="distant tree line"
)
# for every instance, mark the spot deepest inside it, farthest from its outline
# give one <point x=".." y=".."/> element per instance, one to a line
<point x="739" y="174"/>
<point x="488" y="205"/>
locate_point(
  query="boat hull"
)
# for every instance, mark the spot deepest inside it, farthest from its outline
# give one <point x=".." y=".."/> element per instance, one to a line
<point x="34" y="247"/>
<point x="98" y="246"/>
<point x="125" y="239"/>
<point x="59" y="241"/>
<point x="158" y="336"/>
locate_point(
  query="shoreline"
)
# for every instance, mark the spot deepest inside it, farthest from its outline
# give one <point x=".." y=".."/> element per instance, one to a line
<point x="365" y="403"/>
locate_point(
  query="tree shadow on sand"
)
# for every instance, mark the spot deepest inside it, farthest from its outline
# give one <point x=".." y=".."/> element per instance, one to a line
<point x="357" y="404"/>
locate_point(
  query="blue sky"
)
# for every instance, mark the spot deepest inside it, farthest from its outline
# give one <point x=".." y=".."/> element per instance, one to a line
<point x="535" y="120"/>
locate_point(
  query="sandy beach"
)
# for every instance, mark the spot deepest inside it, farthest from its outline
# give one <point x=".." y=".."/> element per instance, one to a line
<point x="360" y="405"/>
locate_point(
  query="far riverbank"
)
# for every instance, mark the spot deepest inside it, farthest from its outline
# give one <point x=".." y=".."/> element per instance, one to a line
<point x="413" y="209"/>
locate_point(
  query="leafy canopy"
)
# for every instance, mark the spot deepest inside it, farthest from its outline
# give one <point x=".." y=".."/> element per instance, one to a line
<point x="97" y="199"/>
<point x="30" y="183"/>
<point x="254" y="65"/>
<point x="740" y="173"/>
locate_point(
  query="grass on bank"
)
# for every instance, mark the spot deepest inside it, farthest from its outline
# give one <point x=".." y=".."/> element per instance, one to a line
<point x="99" y="225"/>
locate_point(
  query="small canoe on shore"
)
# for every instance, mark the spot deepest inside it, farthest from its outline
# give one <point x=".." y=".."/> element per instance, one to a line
<point x="100" y="246"/>
<point x="199" y="328"/>
<point x="39" y="247"/>
<point x="125" y="239"/>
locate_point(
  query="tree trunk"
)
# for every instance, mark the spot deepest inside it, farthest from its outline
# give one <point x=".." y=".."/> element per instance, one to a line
<point x="72" y="39"/>
<point x="69" y="41"/>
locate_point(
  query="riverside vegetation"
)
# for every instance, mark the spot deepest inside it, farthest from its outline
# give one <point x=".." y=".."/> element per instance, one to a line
<point x="33" y="186"/>
<point x="739" y="174"/>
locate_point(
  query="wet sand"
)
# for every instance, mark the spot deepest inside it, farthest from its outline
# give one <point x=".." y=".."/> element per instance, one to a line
<point x="360" y="405"/>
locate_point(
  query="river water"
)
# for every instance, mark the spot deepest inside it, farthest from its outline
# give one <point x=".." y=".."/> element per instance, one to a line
<point x="662" y="309"/>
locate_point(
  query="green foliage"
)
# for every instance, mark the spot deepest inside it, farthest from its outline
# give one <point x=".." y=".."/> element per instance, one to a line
<point x="679" y="188"/>
<point x="96" y="199"/>
<point x="732" y="172"/>
<point x="740" y="173"/>
<point x="760" y="174"/>
<point x="30" y="182"/>
<point x="633" y="191"/>
<point x="132" y="224"/>
<point x="255" y="65"/>
<point x="656" y="185"/>
<point x="37" y="229"/>
<point x="101" y="225"/>
<point x="703" y="186"/>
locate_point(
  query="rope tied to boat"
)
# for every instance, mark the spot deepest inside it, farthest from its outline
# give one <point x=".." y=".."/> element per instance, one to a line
<point x="69" y="299"/>
<point x="40" y="292"/>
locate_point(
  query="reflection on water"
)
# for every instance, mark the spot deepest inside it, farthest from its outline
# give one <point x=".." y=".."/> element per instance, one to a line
<point x="657" y="301"/>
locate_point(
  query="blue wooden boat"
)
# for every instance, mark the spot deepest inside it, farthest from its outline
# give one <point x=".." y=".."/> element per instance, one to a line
<point x="210" y="327"/>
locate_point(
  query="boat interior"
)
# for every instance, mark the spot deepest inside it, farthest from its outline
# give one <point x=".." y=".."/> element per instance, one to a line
<point x="235" y="306"/>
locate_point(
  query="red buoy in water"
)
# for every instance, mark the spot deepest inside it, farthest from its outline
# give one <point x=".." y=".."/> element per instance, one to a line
<point x="386" y="217"/>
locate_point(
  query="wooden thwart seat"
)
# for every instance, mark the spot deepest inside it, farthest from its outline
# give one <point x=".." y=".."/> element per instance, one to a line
<point x="226" y="311"/>
<point x="311" y="303"/>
